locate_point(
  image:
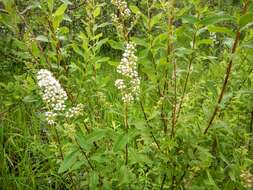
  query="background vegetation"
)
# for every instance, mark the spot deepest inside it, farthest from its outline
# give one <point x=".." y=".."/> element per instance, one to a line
<point x="191" y="125"/>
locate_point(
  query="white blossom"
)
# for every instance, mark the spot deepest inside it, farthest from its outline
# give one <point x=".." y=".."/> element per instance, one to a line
<point x="119" y="83"/>
<point x="50" y="117"/>
<point x="130" y="85"/>
<point x="52" y="94"/>
<point x="122" y="7"/>
<point x="74" y="111"/>
<point x="247" y="179"/>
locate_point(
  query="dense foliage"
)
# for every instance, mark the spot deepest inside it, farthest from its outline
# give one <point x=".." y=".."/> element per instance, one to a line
<point x="136" y="94"/>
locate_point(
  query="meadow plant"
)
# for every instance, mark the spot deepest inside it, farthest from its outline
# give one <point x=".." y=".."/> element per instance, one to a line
<point x="53" y="94"/>
<point x="135" y="95"/>
<point x="130" y="85"/>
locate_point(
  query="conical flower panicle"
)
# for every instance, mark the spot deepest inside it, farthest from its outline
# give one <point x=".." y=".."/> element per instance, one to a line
<point x="52" y="92"/>
<point x="55" y="97"/>
<point x="130" y="85"/>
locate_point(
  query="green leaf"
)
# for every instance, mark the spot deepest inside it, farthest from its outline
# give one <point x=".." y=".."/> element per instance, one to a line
<point x="100" y="43"/>
<point x="124" y="174"/>
<point x="35" y="49"/>
<point x="190" y="19"/>
<point x="245" y="19"/>
<point x="136" y="157"/>
<point x="205" y="42"/>
<point x="82" y="141"/>
<point x="120" y="142"/>
<point x="50" y="5"/>
<point x="60" y="11"/>
<point x="156" y="19"/>
<point x="211" y="181"/>
<point x="59" y="15"/>
<point x="29" y="99"/>
<point x="96" y="37"/>
<point x="220" y="30"/>
<point x="96" y="12"/>
<point x="134" y="9"/>
<point x="102" y="59"/>
<point x="66" y="2"/>
<point x="96" y="135"/>
<point x="94" y="180"/>
<point x="140" y="41"/>
<point x="216" y="19"/>
<point x="68" y="161"/>
<point x="77" y="165"/>
<point x="116" y="45"/>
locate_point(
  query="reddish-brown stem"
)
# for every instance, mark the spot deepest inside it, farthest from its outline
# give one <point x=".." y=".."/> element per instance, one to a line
<point x="227" y="75"/>
<point x="228" y="71"/>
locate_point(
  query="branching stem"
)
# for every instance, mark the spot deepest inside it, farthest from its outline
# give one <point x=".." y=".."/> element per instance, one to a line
<point x="228" y="72"/>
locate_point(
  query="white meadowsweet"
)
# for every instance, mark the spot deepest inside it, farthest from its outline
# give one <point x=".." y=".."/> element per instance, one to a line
<point x="247" y="179"/>
<point x="119" y="83"/>
<point x="127" y="97"/>
<point x="50" y="117"/>
<point x="52" y="94"/>
<point x="122" y="7"/>
<point x="130" y="85"/>
<point x="75" y="111"/>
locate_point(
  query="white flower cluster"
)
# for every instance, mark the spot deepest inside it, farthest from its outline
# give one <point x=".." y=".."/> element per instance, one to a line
<point x="247" y="179"/>
<point x="52" y="94"/>
<point x="130" y="87"/>
<point x="75" y="111"/>
<point x="50" y="117"/>
<point x="123" y="8"/>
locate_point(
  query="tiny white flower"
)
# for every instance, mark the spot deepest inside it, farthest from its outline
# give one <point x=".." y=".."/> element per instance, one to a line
<point x="128" y="68"/>
<point x="122" y="7"/>
<point x="52" y="94"/>
<point x="75" y="111"/>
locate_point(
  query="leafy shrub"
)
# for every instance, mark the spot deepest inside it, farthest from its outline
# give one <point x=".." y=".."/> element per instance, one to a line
<point x="126" y="94"/>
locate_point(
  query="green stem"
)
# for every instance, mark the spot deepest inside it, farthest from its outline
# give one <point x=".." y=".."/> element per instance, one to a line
<point x="61" y="154"/>
<point x="84" y="154"/>
<point x="146" y="119"/>
<point x="126" y="131"/>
